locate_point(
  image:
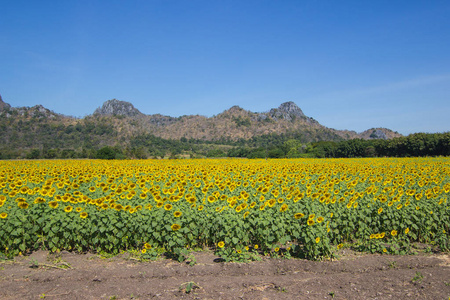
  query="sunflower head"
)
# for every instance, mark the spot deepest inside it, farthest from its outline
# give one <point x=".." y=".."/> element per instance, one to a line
<point x="175" y="227"/>
<point x="53" y="204"/>
<point x="298" y="216"/>
<point x="22" y="205"/>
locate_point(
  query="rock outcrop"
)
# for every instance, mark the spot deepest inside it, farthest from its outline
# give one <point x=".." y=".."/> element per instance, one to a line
<point x="287" y="111"/>
<point x="116" y="107"/>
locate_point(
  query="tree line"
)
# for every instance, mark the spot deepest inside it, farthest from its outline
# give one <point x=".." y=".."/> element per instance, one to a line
<point x="271" y="146"/>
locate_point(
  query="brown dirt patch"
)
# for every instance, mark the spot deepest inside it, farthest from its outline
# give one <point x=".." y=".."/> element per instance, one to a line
<point x="354" y="276"/>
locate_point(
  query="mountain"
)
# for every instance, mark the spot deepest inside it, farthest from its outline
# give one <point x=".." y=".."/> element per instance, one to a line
<point x="233" y="124"/>
<point x="378" y="133"/>
<point x="3" y="105"/>
<point x="120" y="123"/>
<point x="115" y="107"/>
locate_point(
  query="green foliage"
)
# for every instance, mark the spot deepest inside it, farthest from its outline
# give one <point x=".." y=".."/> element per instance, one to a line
<point x="109" y="153"/>
<point x="240" y="208"/>
<point x="240" y="121"/>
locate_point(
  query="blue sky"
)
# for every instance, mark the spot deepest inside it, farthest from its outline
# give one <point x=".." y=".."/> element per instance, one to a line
<point x="349" y="64"/>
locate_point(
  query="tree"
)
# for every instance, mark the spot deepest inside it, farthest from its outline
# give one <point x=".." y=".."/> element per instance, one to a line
<point x="34" y="154"/>
<point x="106" y="153"/>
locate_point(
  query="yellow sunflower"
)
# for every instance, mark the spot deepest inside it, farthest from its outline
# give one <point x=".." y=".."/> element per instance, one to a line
<point x="175" y="227"/>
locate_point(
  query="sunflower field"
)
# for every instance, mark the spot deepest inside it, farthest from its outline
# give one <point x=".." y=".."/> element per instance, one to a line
<point x="240" y="208"/>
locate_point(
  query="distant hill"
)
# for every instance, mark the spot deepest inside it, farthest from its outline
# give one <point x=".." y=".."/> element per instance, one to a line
<point x="232" y="124"/>
<point x="118" y="122"/>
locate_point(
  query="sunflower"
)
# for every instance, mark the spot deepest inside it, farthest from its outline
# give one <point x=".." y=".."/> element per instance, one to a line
<point x="272" y="202"/>
<point x="394" y="232"/>
<point x="200" y="208"/>
<point x="147" y="246"/>
<point x="78" y="209"/>
<point x="380" y="210"/>
<point x="246" y="214"/>
<point x="221" y="244"/>
<point x="284" y="208"/>
<point x="310" y="222"/>
<point x="83" y="215"/>
<point x="317" y="240"/>
<point x="298" y="216"/>
<point x="53" y="204"/>
<point x="406" y="230"/>
<point x="143" y="251"/>
<point x="177" y="214"/>
<point x="68" y="209"/>
<point x="320" y="219"/>
<point x="256" y="247"/>
<point x="118" y="207"/>
<point x="3" y="215"/>
<point x="175" y="227"/>
<point x="168" y="206"/>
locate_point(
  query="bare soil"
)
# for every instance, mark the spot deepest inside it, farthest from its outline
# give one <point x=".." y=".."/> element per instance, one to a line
<point x="42" y="275"/>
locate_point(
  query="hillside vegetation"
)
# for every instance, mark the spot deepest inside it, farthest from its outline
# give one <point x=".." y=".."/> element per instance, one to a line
<point x="121" y="131"/>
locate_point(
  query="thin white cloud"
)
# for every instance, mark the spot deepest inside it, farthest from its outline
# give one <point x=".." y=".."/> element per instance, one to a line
<point x="406" y="84"/>
<point x="390" y="87"/>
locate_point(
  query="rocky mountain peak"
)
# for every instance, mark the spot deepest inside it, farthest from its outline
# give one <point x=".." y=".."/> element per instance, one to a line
<point x="3" y="105"/>
<point x="288" y="111"/>
<point x="235" y="108"/>
<point x="379" y="133"/>
<point x="117" y="108"/>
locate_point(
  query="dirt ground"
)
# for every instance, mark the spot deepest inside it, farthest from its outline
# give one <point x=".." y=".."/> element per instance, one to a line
<point x="353" y="276"/>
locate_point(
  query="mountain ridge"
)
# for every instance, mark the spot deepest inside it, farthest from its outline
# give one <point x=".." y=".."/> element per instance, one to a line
<point x="234" y="123"/>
